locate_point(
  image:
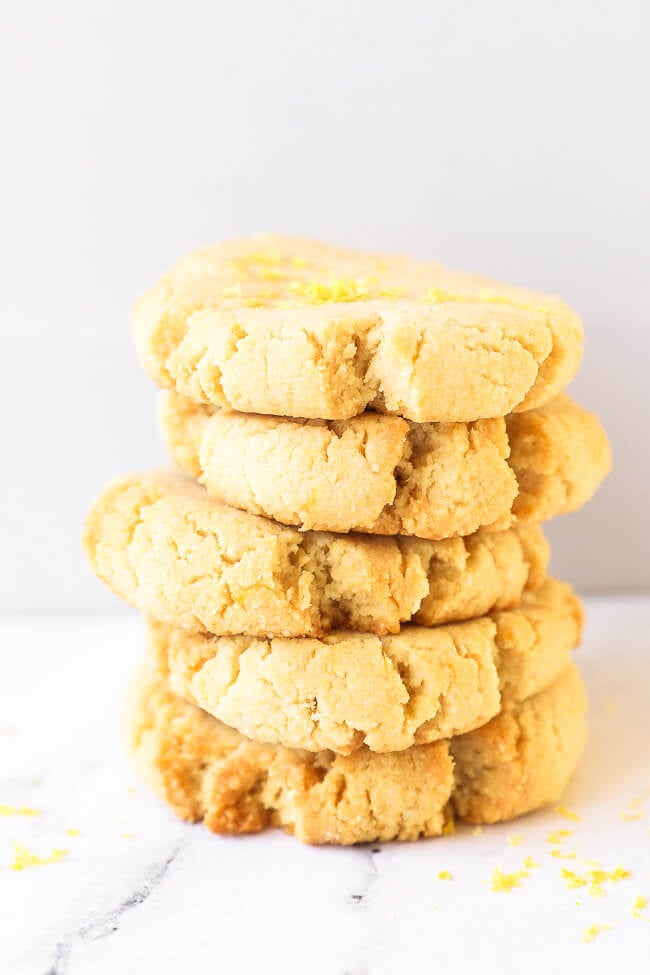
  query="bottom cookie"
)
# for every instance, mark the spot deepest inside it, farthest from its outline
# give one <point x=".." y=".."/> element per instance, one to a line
<point x="204" y="770"/>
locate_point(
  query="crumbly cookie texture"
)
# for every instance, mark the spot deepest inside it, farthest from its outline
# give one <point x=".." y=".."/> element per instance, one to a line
<point x="388" y="476"/>
<point x="162" y="544"/>
<point x="388" y="693"/>
<point x="292" y="327"/>
<point x="204" y="770"/>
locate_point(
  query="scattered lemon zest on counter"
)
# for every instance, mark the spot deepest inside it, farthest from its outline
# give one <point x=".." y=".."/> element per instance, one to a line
<point x="131" y="788"/>
<point x="516" y="840"/>
<point x="530" y="863"/>
<point x="477" y="831"/>
<point x="559" y="835"/>
<point x="73" y="831"/>
<point x="594" y="879"/>
<point x="639" y="905"/>
<point x="594" y="931"/>
<point x="631" y="817"/>
<point x="126" y="836"/>
<point x="560" y="855"/>
<point x="445" y="875"/>
<point x="23" y="858"/>
<point x="569" y="814"/>
<point x="18" y="811"/>
<point x="502" y="883"/>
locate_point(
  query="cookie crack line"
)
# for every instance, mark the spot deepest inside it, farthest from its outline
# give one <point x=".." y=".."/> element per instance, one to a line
<point x="353" y="690"/>
<point x="503" y="769"/>
<point x="206" y="567"/>
<point x="428" y="480"/>
<point x="342" y="330"/>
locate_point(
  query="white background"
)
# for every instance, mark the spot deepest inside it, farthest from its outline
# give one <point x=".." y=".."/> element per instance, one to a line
<point x="505" y="137"/>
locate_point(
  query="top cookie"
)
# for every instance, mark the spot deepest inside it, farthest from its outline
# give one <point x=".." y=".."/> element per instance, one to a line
<point x="292" y="327"/>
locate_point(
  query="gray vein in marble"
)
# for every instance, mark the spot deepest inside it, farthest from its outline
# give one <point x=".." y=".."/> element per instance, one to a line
<point x="108" y="922"/>
<point x="363" y="895"/>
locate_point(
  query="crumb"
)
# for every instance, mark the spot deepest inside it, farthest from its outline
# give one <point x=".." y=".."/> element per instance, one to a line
<point x="449" y="825"/>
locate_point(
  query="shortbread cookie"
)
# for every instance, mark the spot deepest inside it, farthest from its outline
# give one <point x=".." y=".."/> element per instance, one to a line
<point x="385" y="475"/>
<point x="387" y="693"/>
<point x="295" y="328"/>
<point x="206" y="771"/>
<point x="162" y="544"/>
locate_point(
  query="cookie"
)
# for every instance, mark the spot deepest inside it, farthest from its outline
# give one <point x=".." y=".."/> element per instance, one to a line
<point x="351" y="690"/>
<point x="204" y="770"/>
<point x="292" y="327"/>
<point x="385" y="475"/>
<point x="162" y="544"/>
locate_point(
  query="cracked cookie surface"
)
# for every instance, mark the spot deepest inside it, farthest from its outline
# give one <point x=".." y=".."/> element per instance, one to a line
<point x="205" y="771"/>
<point x="162" y="544"/>
<point x="351" y="690"/>
<point x="385" y="475"/>
<point x="285" y="326"/>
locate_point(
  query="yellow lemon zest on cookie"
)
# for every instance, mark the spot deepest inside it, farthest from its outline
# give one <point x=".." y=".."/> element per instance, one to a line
<point x="559" y="835"/>
<point x="502" y="883"/>
<point x="594" y="931"/>
<point x="18" y="811"/>
<point x="516" y="840"/>
<point x="445" y="875"/>
<point x="484" y="296"/>
<point x="321" y="292"/>
<point x="23" y="858"/>
<point x="568" y="814"/>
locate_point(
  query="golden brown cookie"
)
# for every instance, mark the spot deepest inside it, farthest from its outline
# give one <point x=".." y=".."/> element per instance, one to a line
<point x="203" y="770"/>
<point x="292" y="327"/>
<point x="387" y="693"/>
<point x="162" y="544"/>
<point x="388" y="476"/>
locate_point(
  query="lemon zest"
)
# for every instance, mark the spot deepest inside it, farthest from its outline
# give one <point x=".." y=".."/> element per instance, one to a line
<point x="23" y="858"/>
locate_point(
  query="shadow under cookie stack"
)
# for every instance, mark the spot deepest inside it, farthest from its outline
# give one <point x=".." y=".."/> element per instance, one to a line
<point x="351" y="633"/>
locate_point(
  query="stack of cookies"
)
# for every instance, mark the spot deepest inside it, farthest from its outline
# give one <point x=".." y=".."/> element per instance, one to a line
<point x="350" y="628"/>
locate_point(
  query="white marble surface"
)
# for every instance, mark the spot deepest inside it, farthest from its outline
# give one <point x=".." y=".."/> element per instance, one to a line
<point x="141" y="892"/>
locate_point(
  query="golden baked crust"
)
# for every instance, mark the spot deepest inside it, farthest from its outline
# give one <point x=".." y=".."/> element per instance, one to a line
<point x="387" y="693"/>
<point x="162" y="544"/>
<point x="385" y="475"/>
<point x="204" y="770"/>
<point x="292" y="327"/>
